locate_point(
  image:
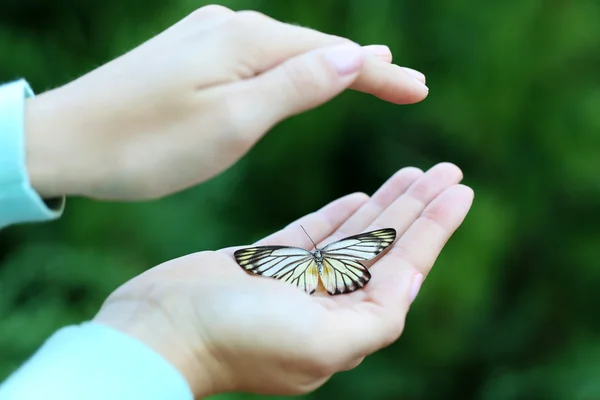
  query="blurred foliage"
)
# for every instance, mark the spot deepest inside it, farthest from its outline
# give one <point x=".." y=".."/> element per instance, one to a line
<point x="511" y="309"/>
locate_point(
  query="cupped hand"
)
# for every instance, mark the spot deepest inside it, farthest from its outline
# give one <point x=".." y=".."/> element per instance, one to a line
<point x="186" y="104"/>
<point x="226" y="330"/>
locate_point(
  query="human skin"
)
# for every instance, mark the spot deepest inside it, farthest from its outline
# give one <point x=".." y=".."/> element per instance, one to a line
<point x="228" y="331"/>
<point x="184" y="106"/>
<point x="188" y="103"/>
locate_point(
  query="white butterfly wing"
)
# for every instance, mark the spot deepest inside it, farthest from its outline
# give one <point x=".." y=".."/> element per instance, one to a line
<point x="289" y="264"/>
<point x="342" y="271"/>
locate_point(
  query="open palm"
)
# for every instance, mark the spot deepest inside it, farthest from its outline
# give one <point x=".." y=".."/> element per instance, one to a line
<point x="262" y="335"/>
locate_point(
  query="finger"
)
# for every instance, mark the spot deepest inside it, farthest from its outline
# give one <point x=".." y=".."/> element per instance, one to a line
<point x="403" y="212"/>
<point x="251" y="43"/>
<point x="393" y="188"/>
<point x="415" y="74"/>
<point x="422" y="243"/>
<point x="309" y="80"/>
<point x="319" y="223"/>
<point x="378" y="77"/>
<point x="388" y="296"/>
<point x="370" y="325"/>
<point x="382" y="52"/>
<point x="390" y="82"/>
<point x="378" y="320"/>
<point x="405" y="209"/>
<point x="251" y="107"/>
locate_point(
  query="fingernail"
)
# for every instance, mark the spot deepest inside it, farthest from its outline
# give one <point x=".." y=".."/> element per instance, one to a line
<point x="415" y="74"/>
<point x="421" y="84"/>
<point x="346" y="58"/>
<point x="415" y="287"/>
<point x="379" y="50"/>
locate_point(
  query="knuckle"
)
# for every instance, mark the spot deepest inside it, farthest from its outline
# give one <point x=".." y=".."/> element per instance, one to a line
<point x="431" y="216"/>
<point x="216" y="8"/>
<point x="196" y="15"/>
<point x="206" y="11"/>
<point x="248" y="24"/>
<point x="304" y="79"/>
<point x="401" y="252"/>
<point x="420" y="191"/>
<point x="436" y="221"/>
<point x="247" y="35"/>
<point x="251" y="17"/>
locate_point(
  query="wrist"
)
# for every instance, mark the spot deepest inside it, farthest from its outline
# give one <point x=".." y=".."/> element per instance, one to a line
<point x="59" y="152"/>
<point x="46" y="153"/>
<point x="153" y="327"/>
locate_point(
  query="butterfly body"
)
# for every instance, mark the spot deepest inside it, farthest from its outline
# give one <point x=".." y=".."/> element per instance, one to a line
<point x="319" y="260"/>
<point x="336" y="265"/>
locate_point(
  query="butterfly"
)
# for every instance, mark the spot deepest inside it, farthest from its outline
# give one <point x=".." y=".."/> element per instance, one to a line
<point x="337" y="264"/>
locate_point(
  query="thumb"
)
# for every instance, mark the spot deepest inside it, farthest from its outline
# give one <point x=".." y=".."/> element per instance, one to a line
<point x="377" y="321"/>
<point x="299" y="84"/>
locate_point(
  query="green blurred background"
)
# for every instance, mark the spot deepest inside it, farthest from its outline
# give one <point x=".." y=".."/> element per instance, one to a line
<point x="511" y="309"/>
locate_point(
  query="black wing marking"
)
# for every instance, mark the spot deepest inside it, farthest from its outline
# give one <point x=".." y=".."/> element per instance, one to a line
<point x="289" y="264"/>
<point x="342" y="272"/>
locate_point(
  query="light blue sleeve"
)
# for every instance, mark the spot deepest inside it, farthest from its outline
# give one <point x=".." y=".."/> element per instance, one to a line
<point x="95" y="362"/>
<point x="19" y="202"/>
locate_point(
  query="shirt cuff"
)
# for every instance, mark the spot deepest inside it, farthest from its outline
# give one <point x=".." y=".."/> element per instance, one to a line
<point x="93" y="361"/>
<point x="19" y="202"/>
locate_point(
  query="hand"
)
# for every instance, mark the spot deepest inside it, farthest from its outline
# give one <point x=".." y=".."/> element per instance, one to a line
<point x="188" y="103"/>
<point x="228" y="331"/>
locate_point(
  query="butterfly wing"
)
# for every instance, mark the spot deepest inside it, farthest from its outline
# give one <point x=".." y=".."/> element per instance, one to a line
<point x="289" y="264"/>
<point x="342" y="271"/>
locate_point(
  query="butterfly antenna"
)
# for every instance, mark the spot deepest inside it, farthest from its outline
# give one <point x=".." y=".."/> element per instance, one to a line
<point x="308" y="236"/>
